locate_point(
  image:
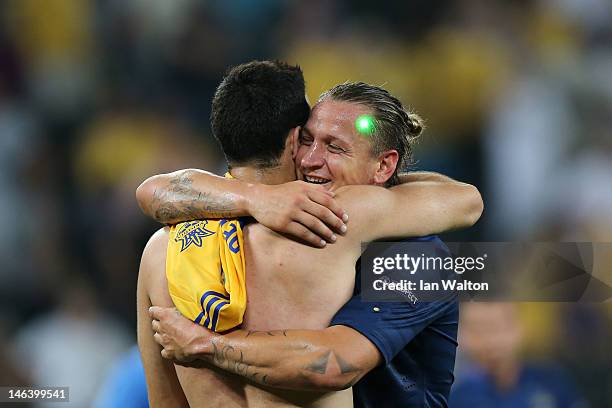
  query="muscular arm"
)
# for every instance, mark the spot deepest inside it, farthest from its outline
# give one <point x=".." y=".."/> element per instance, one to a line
<point x="331" y="359"/>
<point x="432" y="205"/>
<point x="423" y="176"/>
<point x="192" y="194"/>
<point x="163" y="387"/>
<point x="301" y="210"/>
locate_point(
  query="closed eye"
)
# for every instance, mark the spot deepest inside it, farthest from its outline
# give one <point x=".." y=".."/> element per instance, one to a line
<point x="305" y="140"/>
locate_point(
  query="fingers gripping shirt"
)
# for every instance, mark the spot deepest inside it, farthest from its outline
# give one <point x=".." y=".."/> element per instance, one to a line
<point x="205" y="269"/>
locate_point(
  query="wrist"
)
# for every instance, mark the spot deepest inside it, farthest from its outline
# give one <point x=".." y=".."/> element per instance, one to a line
<point x="203" y="347"/>
<point x="251" y="197"/>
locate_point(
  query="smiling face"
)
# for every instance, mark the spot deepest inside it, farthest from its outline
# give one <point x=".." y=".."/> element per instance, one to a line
<point x="332" y="152"/>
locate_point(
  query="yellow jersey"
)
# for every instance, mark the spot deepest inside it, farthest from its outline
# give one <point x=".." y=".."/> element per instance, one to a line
<point x="205" y="269"/>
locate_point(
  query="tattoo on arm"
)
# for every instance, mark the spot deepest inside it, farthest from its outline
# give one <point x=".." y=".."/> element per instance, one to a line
<point x="232" y="360"/>
<point x="179" y="201"/>
<point x="320" y="366"/>
<point x="345" y="366"/>
<point x="267" y="333"/>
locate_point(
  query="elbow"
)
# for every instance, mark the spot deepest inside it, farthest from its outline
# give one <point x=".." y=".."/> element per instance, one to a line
<point x="339" y="384"/>
<point x="475" y="205"/>
<point x="331" y="382"/>
<point x="145" y="194"/>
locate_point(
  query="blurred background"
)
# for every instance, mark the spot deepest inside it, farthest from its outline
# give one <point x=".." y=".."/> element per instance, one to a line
<point x="97" y="95"/>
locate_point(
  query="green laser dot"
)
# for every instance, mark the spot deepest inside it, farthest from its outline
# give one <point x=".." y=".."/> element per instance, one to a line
<point x="365" y="124"/>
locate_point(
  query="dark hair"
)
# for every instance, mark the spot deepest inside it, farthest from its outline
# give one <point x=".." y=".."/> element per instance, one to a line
<point x="394" y="127"/>
<point x="254" y="108"/>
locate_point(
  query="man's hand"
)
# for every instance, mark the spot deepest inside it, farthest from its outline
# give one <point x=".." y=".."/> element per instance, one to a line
<point x="320" y="360"/>
<point x="298" y="209"/>
<point x="180" y="338"/>
<point x="304" y="211"/>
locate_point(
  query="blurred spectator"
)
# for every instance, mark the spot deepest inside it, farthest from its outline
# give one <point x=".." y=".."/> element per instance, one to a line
<point x="491" y="336"/>
<point x="57" y="51"/>
<point x="586" y="330"/>
<point x="10" y="375"/>
<point x="72" y="346"/>
<point x="125" y="386"/>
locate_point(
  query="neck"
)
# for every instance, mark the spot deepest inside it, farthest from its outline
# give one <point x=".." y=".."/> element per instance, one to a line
<point x="273" y="175"/>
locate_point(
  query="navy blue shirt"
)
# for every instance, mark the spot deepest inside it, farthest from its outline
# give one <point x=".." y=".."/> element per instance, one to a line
<point x="537" y="386"/>
<point x="417" y="341"/>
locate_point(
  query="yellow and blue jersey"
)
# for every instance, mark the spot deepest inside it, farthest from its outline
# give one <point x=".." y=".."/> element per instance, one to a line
<point x="205" y="269"/>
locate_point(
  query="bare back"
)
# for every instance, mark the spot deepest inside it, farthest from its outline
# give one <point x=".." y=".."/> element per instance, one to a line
<point x="294" y="286"/>
<point x="289" y="286"/>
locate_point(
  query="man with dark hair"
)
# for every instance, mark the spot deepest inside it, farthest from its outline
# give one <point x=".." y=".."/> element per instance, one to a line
<point x="284" y="286"/>
<point x="239" y="84"/>
<point x="259" y="106"/>
<point x="254" y="108"/>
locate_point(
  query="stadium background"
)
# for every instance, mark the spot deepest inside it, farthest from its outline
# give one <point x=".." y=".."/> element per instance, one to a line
<point x="97" y="95"/>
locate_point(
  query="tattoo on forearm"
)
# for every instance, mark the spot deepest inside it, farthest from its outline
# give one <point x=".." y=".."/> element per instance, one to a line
<point x="232" y="360"/>
<point x="345" y="366"/>
<point x="267" y="333"/>
<point x="321" y="364"/>
<point x="181" y="202"/>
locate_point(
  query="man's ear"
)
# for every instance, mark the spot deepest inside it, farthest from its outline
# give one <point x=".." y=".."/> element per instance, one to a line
<point x="386" y="165"/>
<point x="295" y="142"/>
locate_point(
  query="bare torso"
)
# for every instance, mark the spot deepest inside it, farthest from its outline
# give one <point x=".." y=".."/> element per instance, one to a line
<point x="290" y="286"/>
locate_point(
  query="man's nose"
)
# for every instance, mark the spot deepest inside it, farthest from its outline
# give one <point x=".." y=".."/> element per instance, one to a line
<point x="314" y="157"/>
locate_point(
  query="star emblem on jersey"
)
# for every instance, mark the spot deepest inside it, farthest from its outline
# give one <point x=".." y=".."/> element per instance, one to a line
<point x="192" y="233"/>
